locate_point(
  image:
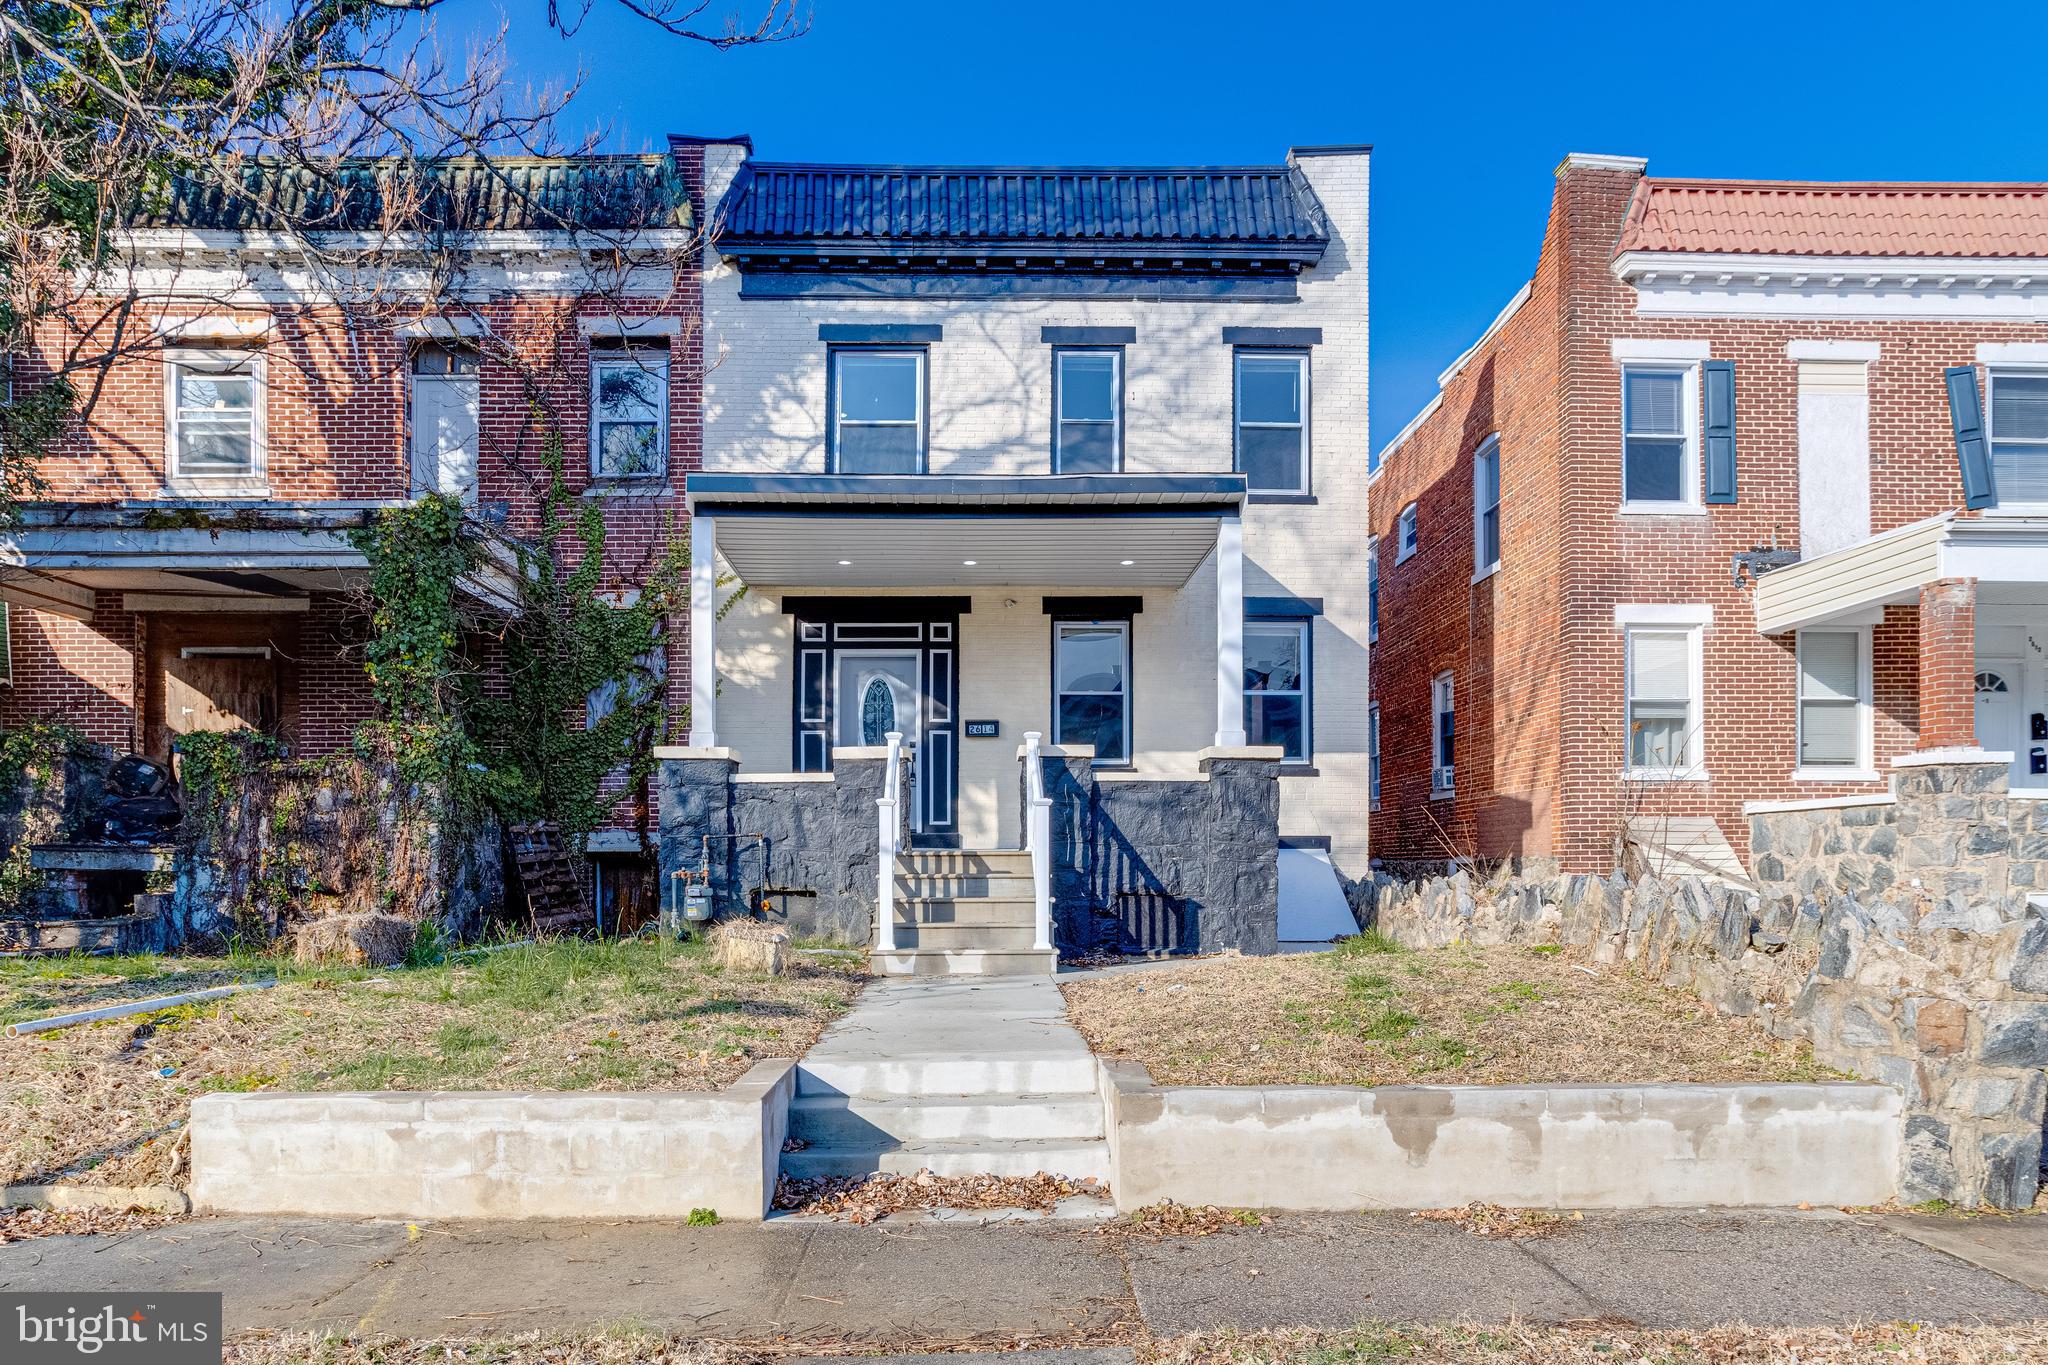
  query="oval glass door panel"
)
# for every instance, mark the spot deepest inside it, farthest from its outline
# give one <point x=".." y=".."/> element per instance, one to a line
<point x="877" y="693"/>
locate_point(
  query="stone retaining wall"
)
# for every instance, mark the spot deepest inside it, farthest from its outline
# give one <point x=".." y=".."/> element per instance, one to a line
<point x="818" y="857"/>
<point x="1568" y="1146"/>
<point x="1948" y="830"/>
<point x="1944" y="1000"/>
<point x="475" y="1154"/>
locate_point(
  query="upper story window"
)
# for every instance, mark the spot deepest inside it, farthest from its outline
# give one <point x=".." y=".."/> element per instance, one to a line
<point x="1091" y="686"/>
<point x="1486" y="508"/>
<point x="1272" y="420"/>
<point x="215" y="406"/>
<point x="1406" y="536"/>
<point x="1372" y="589"/>
<point x="1088" y="409"/>
<point x="1443" y="701"/>
<point x="443" y="419"/>
<point x="1276" y="667"/>
<point x="1659" y="437"/>
<point x="628" y="413"/>
<point x="2019" y="435"/>
<point x="878" y="411"/>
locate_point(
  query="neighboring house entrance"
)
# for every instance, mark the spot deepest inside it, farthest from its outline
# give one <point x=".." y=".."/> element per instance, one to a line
<point x="444" y="421"/>
<point x="217" y="674"/>
<point x="866" y="668"/>
<point x="2000" y="718"/>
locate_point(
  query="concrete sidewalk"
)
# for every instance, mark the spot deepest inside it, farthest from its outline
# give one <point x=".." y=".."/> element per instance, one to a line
<point x="1058" y="1280"/>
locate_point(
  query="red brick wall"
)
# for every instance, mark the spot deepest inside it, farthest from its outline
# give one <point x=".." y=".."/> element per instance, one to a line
<point x="1537" y="649"/>
<point x="335" y="413"/>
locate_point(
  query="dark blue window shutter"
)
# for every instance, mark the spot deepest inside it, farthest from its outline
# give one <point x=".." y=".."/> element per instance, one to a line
<point x="1973" y="455"/>
<point x="1720" y="429"/>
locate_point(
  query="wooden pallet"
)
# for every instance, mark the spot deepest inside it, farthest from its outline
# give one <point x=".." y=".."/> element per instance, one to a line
<point x="551" y="878"/>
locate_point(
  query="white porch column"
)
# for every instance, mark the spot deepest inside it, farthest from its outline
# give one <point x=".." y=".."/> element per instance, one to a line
<point x="703" y="632"/>
<point x="1229" y="633"/>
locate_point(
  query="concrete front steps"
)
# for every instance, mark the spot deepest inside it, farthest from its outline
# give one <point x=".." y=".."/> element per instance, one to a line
<point x="964" y="912"/>
<point x="960" y="1077"/>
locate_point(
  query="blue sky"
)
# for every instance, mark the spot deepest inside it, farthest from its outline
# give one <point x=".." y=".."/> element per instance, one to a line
<point x="1468" y="106"/>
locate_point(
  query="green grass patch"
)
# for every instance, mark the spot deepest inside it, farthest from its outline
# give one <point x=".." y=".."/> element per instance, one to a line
<point x="1371" y="943"/>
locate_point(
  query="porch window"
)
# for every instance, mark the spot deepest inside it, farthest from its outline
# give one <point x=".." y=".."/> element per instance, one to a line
<point x="1834" y="701"/>
<point x="1091" y="680"/>
<point x="628" y="414"/>
<point x="1659" y="464"/>
<point x="2019" y="436"/>
<point x="1088" y="407"/>
<point x="1272" y="420"/>
<point x="215" y="401"/>
<point x="1443" y="700"/>
<point x="878" y="407"/>
<point x="1276" y="671"/>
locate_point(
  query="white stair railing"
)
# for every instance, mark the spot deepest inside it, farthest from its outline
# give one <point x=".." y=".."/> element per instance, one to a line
<point x="890" y="809"/>
<point x="1038" y="837"/>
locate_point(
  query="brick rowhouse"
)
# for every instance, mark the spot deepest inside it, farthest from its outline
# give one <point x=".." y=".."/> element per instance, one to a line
<point x="1805" y="291"/>
<point x="335" y="411"/>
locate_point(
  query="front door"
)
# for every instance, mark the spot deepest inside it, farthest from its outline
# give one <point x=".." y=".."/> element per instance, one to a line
<point x="2000" y="706"/>
<point x="878" y="692"/>
<point x="866" y="667"/>
<point x="227" y="671"/>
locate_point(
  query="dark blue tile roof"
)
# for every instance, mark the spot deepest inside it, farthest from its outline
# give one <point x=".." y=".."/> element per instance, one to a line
<point x="533" y="194"/>
<point x="1263" y="211"/>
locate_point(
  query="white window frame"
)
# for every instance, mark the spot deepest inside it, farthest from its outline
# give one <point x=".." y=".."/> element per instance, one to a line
<point x="1992" y="374"/>
<point x="1688" y="370"/>
<point x="1122" y="627"/>
<point x="1407" y="533"/>
<point x="922" y="419"/>
<point x="1372" y="755"/>
<point x="1238" y="423"/>
<point x="1060" y="356"/>
<point x="1489" y="450"/>
<point x="651" y="358"/>
<point x="1693" y="621"/>
<point x="1443" y="701"/>
<point x="1304" y="629"/>
<point x="254" y="482"/>
<point x="6" y="645"/>
<point x="1864" y="767"/>
<point x="1372" y="589"/>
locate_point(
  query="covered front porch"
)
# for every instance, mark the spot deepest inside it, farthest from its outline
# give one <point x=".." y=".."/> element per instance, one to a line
<point x="199" y="615"/>
<point x="1979" y="584"/>
<point x="1097" y="622"/>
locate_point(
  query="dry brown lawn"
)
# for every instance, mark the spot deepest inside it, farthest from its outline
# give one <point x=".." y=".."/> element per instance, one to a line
<point x="1373" y="1014"/>
<point x="104" y="1103"/>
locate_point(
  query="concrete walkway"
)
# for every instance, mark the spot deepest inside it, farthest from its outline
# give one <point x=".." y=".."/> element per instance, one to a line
<point x="1063" y="1281"/>
<point x="965" y="1075"/>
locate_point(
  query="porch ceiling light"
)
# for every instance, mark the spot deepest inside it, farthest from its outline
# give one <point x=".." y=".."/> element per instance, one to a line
<point x="970" y="563"/>
<point x="1127" y="562"/>
<point x="845" y="563"/>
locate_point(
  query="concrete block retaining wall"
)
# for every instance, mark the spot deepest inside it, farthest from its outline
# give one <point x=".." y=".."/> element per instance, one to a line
<point x="478" y="1154"/>
<point x="1567" y="1146"/>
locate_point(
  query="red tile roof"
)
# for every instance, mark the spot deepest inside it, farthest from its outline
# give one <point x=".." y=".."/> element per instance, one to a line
<point x="1792" y="218"/>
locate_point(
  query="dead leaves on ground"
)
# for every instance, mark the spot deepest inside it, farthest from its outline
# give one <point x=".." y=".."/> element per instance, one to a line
<point x="21" y="1224"/>
<point x="1496" y="1223"/>
<point x="1168" y="1219"/>
<point x="863" y="1199"/>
